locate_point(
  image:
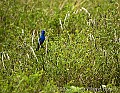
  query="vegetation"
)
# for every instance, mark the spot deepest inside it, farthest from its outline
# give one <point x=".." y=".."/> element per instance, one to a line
<point x="81" y="50"/>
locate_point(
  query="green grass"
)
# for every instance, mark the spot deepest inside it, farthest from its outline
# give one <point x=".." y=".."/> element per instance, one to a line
<point x="82" y="48"/>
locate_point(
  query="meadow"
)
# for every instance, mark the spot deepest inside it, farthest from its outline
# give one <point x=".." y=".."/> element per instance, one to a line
<point x="81" y="52"/>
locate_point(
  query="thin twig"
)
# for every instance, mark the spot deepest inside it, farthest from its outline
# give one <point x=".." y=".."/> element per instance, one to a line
<point x="3" y="60"/>
<point x="34" y="53"/>
<point x="46" y="44"/>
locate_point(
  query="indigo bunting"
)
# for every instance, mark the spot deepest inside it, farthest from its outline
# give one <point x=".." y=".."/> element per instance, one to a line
<point x="41" y="39"/>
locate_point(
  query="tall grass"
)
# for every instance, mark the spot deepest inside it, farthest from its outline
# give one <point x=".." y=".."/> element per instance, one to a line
<point x="81" y="49"/>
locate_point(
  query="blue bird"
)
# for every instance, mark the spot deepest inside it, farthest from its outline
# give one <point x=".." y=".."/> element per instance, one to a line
<point x="41" y="39"/>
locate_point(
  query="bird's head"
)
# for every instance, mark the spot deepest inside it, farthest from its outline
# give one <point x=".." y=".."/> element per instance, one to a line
<point x="43" y="32"/>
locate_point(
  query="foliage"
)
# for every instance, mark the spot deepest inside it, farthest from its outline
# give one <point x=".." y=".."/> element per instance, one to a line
<point x="81" y="49"/>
